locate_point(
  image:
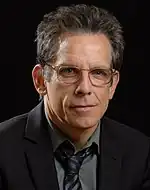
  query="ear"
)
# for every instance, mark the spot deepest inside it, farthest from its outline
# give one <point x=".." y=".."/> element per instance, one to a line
<point x="38" y="79"/>
<point x="114" y="84"/>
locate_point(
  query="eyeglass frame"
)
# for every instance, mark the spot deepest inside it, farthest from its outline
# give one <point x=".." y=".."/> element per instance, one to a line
<point x="57" y="68"/>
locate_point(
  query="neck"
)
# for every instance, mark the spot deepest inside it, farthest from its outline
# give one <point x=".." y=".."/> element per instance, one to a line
<point x="78" y="136"/>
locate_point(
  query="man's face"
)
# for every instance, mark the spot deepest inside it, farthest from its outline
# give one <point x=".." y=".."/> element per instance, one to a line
<point x="81" y="104"/>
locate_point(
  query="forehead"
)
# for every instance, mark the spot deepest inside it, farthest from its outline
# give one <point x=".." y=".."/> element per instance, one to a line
<point x="85" y="49"/>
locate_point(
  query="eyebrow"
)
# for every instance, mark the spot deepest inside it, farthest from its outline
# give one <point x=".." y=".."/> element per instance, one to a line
<point x="92" y="67"/>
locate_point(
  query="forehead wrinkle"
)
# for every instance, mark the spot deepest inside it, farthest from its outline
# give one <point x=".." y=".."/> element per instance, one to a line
<point x="77" y="59"/>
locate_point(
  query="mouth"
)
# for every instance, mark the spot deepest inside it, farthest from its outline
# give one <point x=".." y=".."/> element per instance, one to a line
<point x="82" y="108"/>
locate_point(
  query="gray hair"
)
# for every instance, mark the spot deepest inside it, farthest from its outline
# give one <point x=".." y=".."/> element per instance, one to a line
<point x="78" y="18"/>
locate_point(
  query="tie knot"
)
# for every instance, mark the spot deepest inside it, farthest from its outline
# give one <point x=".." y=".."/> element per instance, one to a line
<point x="71" y="162"/>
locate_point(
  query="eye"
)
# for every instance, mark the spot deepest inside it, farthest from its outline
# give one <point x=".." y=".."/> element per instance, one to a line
<point x="99" y="72"/>
<point x="68" y="71"/>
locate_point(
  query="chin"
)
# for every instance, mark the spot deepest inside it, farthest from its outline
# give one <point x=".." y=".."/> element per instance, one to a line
<point x="84" y="123"/>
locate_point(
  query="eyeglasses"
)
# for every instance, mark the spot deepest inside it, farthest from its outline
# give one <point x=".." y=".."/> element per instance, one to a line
<point x="71" y="74"/>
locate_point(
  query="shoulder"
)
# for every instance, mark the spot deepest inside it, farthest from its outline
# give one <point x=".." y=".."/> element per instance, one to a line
<point x="13" y="126"/>
<point x="126" y="135"/>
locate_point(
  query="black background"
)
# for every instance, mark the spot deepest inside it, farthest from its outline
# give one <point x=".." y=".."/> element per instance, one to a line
<point x="18" y="56"/>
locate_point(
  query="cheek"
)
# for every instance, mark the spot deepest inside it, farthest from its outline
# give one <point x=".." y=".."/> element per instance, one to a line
<point x="58" y="96"/>
<point x="102" y="95"/>
<point x="103" y="98"/>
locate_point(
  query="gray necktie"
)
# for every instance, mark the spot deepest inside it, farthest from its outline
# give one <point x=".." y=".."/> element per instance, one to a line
<point x="71" y="163"/>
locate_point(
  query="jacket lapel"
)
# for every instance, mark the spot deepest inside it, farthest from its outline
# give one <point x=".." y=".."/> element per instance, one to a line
<point x="110" y="157"/>
<point x="39" y="152"/>
<point x="40" y="160"/>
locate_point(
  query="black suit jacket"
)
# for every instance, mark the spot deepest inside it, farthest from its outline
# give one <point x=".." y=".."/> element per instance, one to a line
<point x="27" y="161"/>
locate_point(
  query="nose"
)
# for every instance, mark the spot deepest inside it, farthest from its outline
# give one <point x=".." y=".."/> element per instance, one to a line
<point x="84" y="86"/>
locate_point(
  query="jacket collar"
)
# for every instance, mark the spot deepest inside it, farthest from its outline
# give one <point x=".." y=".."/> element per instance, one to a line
<point x="110" y="159"/>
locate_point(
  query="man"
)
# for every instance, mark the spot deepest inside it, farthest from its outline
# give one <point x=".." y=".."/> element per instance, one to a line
<point x="66" y="142"/>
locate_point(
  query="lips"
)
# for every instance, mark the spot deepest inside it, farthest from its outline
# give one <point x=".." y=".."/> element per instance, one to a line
<point x="82" y="108"/>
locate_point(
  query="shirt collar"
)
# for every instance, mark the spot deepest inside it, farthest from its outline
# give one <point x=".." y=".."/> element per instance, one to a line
<point x="58" y="137"/>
